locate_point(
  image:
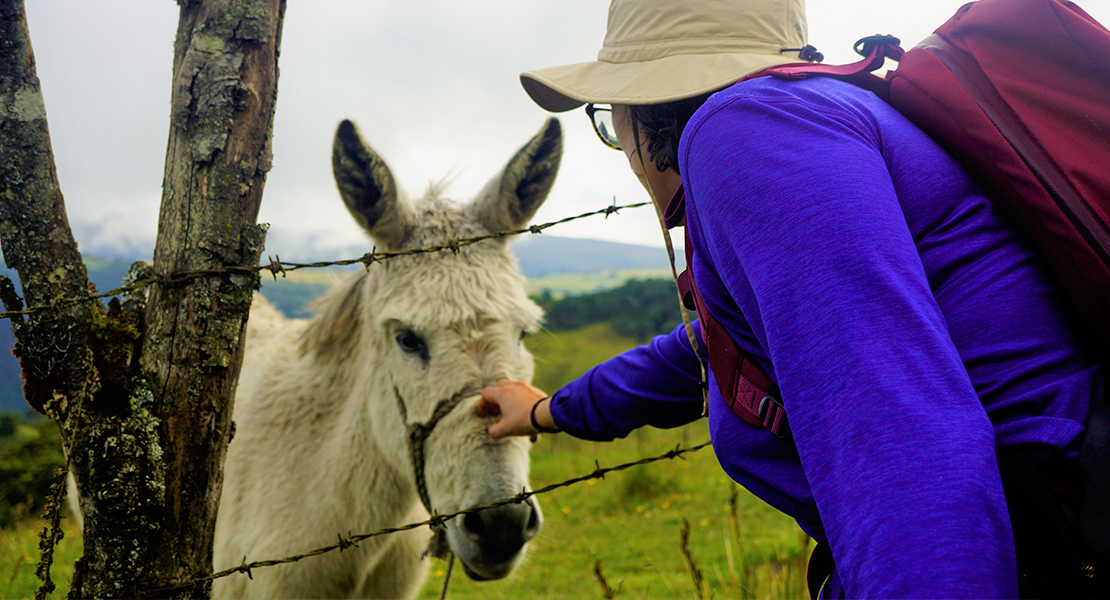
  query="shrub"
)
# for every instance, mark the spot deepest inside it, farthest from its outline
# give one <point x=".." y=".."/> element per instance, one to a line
<point x="29" y="457"/>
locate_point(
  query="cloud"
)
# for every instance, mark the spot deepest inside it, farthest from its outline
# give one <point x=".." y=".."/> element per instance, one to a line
<point x="433" y="85"/>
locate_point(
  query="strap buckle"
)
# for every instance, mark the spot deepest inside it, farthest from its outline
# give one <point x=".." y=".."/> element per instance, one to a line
<point x="768" y="418"/>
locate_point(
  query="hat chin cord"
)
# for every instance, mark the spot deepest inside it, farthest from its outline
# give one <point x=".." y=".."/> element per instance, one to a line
<point x="691" y="336"/>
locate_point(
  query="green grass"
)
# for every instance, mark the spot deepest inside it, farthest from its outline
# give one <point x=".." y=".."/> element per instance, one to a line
<point x="562" y="356"/>
<point x="630" y="523"/>
<point x="19" y="554"/>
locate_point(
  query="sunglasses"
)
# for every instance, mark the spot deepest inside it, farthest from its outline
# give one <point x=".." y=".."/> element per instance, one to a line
<point x="602" y="120"/>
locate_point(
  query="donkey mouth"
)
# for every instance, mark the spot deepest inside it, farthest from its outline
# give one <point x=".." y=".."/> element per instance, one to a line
<point x="471" y="573"/>
<point x="480" y="568"/>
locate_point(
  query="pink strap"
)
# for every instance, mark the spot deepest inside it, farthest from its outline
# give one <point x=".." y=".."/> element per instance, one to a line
<point x="675" y="212"/>
<point x="747" y="390"/>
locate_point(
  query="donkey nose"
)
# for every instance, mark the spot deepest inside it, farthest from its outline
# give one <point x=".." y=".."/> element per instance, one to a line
<point x="501" y="532"/>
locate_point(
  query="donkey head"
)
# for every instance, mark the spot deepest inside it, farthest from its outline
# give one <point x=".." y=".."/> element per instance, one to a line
<point x="441" y="325"/>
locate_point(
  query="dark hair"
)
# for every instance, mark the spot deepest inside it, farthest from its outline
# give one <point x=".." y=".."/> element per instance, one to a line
<point x="662" y="124"/>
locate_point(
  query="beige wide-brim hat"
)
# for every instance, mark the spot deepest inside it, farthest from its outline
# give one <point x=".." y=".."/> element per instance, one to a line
<point x="658" y="51"/>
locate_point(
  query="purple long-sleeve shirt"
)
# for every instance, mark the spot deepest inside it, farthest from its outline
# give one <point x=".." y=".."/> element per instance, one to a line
<point x="908" y="327"/>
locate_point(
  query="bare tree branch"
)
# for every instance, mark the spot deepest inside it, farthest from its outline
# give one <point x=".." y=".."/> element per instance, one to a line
<point x="62" y="351"/>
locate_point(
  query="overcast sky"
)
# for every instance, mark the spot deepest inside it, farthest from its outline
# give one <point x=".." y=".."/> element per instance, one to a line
<point x="433" y="85"/>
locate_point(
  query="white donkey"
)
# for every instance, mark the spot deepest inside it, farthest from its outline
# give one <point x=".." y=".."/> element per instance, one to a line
<point x="325" y="406"/>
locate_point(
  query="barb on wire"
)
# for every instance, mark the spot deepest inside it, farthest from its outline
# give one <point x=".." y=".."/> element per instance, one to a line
<point x="277" y="267"/>
<point x="613" y="208"/>
<point x="351" y="540"/>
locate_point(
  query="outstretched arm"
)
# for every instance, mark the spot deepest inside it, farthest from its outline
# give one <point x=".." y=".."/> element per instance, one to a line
<point x="657" y="384"/>
<point x="517" y="403"/>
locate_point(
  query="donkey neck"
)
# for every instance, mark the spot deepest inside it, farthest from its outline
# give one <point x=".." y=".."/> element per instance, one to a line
<point x="369" y="436"/>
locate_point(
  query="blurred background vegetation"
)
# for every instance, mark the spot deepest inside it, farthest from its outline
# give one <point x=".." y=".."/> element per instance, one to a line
<point x="30" y="452"/>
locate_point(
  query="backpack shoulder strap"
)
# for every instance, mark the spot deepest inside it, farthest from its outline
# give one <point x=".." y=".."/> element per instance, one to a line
<point x="747" y="390"/>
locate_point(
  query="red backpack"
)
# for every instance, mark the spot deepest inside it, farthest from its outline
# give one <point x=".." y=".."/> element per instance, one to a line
<point x="1019" y="92"/>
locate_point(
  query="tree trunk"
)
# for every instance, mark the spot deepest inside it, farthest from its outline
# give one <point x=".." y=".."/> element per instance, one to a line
<point x="224" y="90"/>
<point x="143" y="396"/>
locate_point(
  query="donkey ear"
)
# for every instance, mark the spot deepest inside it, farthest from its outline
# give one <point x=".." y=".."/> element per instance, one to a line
<point x="368" y="189"/>
<point x="510" y="201"/>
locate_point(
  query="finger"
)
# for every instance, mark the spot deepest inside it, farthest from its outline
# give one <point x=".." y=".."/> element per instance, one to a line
<point x="487" y="408"/>
<point x="497" y="391"/>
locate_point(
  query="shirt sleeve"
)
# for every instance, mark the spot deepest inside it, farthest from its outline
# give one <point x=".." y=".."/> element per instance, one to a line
<point x="658" y="384"/>
<point x="794" y="214"/>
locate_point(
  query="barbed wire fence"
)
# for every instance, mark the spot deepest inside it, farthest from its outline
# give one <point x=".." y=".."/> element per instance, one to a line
<point x="350" y="541"/>
<point x="277" y="267"/>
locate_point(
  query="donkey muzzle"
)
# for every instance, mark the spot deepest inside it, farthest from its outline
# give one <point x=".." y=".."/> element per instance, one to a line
<point x="490" y="543"/>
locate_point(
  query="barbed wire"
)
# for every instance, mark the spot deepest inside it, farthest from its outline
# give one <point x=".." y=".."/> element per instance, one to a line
<point x="277" y="266"/>
<point x="350" y="541"/>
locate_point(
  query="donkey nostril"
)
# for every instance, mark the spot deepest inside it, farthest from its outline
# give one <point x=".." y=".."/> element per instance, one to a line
<point x="474" y="525"/>
<point x="501" y="532"/>
<point x="535" y="523"/>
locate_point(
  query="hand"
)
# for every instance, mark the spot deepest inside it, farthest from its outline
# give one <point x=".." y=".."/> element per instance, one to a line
<point x="513" y="401"/>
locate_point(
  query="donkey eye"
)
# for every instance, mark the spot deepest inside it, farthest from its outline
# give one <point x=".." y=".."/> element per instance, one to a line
<point x="412" y="343"/>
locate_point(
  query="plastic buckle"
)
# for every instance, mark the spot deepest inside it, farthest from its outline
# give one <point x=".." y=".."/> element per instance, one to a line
<point x="764" y="407"/>
<point x="863" y="46"/>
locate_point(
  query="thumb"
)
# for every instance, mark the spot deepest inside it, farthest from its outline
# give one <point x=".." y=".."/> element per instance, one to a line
<point x="498" y="429"/>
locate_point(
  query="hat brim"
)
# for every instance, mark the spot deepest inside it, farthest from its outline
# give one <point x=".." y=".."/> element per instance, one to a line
<point x="563" y="88"/>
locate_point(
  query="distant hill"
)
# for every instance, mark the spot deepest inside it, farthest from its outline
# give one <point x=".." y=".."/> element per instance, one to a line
<point x="638" y="310"/>
<point x="544" y="255"/>
<point x="554" y="265"/>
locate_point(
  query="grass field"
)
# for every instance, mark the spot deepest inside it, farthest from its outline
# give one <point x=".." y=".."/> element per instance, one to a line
<point x="629" y="525"/>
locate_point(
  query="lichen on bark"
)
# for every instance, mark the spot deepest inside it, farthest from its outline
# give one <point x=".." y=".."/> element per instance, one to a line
<point x="122" y="497"/>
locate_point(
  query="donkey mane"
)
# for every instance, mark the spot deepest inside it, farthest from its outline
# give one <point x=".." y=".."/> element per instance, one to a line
<point x="337" y="318"/>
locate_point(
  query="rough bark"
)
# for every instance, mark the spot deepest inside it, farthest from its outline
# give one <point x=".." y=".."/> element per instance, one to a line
<point x="75" y="357"/>
<point x="35" y="234"/>
<point x="224" y="91"/>
<point x="143" y="391"/>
